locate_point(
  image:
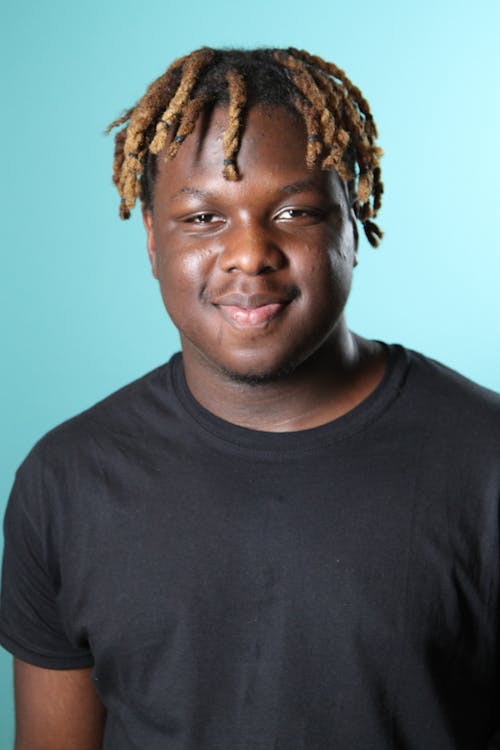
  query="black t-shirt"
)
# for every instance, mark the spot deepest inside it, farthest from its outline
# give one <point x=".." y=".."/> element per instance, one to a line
<point x="238" y="590"/>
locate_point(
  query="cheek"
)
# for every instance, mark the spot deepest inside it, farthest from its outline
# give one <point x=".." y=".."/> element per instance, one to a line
<point x="326" y="273"/>
<point x="182" y="273"/>
<point x="341" y="259"/>
<point x="340" y="272"/>
<point x="195" y="263"/>
<point x="183" y="279"/>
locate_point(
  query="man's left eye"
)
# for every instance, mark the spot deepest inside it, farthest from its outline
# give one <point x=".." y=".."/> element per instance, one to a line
<point x="298" y="213"/>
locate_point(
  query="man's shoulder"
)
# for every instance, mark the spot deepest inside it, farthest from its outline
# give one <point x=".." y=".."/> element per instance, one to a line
<point x="128" y="413"/>
<point x="437" y="387"/>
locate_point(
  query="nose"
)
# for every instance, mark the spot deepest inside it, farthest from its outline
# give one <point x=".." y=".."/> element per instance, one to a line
<point x="251" y="249"/>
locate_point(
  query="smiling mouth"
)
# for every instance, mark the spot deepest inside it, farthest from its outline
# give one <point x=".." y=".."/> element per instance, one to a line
<point x="257" y="317"/>
<point x="251" y="311"/>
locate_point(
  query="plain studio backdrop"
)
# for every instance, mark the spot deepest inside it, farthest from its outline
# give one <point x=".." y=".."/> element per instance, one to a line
<point x="81" y="313"/>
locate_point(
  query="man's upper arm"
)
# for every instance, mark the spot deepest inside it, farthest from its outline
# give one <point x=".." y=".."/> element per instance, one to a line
<point x="56" y="709"/>
<point x="56" y="703"/>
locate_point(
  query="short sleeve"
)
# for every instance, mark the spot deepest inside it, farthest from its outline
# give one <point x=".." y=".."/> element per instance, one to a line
<point x="31" y="627"/>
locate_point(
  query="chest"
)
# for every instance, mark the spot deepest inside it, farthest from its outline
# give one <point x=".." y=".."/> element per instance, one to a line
<point x="291" y="588"/>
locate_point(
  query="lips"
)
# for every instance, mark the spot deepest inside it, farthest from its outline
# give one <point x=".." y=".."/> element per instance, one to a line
<point x="252" y="310"/>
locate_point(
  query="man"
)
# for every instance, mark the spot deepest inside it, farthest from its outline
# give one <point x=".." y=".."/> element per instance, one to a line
<point x="286" y="537"/>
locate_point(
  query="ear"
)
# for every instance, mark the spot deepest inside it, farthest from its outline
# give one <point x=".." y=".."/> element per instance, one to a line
<point x="147" y="218"/>
<point x="355" y="231"/>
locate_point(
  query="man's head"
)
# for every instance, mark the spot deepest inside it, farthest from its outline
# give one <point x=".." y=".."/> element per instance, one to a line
<point x="340" y="129"/>
<point x="252" y="169"/>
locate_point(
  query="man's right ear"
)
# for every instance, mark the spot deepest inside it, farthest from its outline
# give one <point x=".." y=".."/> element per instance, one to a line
<point x="147" y="218"/>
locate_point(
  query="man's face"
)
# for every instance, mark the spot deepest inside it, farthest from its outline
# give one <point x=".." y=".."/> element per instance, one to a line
<point x="255" y="273"/>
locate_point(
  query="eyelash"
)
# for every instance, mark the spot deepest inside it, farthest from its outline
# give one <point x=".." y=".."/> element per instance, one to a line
<point x="299" y="212"/>
<point x="197" y="219"/>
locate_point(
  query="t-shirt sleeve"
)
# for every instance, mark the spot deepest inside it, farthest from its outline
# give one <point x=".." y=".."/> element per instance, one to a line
<point x="31" y="627"/>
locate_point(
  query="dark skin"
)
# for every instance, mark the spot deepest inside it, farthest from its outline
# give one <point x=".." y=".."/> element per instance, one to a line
<point x="255" y="274"/>
<point x="56" y="709"/>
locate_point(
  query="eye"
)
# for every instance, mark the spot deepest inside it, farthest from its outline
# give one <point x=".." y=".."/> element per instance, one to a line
<point x="203" y="218"/>
<point x="304" y="215"/>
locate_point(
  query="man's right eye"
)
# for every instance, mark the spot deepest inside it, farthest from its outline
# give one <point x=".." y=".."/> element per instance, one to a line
<point x="204" y="218"/>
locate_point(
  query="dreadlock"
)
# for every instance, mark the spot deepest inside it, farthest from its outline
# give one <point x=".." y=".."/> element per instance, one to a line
<point x="341" y="132"/>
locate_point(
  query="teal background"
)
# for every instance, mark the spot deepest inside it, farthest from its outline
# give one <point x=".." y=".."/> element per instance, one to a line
<point x="81" y="314"/>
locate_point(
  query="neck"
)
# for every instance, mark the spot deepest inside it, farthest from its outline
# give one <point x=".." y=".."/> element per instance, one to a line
<point x="331" y="383"/>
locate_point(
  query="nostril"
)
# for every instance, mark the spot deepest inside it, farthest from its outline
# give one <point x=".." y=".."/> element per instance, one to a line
<point x="268" y="269"/>
<point x="252" y="258"/>
<point x="251" y="269"/>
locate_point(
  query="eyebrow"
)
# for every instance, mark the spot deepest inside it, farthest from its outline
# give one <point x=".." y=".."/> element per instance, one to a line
<point x="301" y="186"/>
<point x="192" y="191"/>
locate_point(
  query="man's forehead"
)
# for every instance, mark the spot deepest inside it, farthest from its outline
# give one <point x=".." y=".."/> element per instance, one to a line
<point x="272" y="149"/>
<point x="258" y="122"/>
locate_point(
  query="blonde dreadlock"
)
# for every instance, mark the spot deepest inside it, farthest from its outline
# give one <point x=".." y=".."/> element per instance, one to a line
<point x="341" y="132"/>
<point x="237" y="99"/>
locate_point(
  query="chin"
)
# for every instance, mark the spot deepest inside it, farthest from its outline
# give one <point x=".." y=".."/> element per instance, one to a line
<point x="255" y="376"/>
